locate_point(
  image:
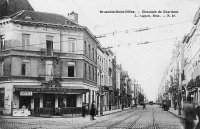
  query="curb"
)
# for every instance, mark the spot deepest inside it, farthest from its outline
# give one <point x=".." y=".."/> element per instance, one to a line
<point x="11" y="117"/>
<point x="112" y="113"/>
<point x="25" y="117"/>
<point x="179" y="116"/>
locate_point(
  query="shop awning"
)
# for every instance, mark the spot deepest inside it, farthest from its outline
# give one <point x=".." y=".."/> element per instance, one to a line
<point x="61" y="90"/>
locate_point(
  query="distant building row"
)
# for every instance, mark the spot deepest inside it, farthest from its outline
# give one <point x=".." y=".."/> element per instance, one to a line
<point x="181" y="82"/>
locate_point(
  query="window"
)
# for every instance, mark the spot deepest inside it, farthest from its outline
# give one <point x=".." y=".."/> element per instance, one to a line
<point x="1" y="68"/>
<point x="25" y="41"/>
<point x="93" y="53"/>
<point x="85" y="70"/>
<point x="92" y="74"/>
<point x="101" y="79"/>
<point x="2" y="42"/>
<point x="89" y="73"/>
<point x="85" y="97"/>
<point x="92" y="95"/>
<point x="95" y="56"/>
<point x="85" y="46"/>
<point x="23" y="69"/>
<point x="71" y="45"/>
<point x="95" y="75"/>
<point x="49" y="45"/>
<point x="71" y="69"/>
<point x="89" y="50"/>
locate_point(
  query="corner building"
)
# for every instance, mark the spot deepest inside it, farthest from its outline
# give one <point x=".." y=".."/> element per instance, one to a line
<point x="47" y="62"/>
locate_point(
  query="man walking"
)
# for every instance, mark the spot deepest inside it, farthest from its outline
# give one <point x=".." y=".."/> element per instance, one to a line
<point x="83" y="109"/>
<point x="144" y="106"/>
<point x="92" y="111"/>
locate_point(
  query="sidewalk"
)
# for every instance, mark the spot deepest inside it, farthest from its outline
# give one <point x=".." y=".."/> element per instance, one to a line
<point x="66" y="116"/>
<point x="113" y="111"/>
<point x="175" y="112"/>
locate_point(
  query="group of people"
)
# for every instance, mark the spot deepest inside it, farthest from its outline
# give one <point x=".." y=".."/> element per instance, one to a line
<point x="92" y="110"/>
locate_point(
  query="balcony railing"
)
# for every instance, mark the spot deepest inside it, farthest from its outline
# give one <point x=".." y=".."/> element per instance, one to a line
<point x="42" y="79"/>
<point x="12" y="78"/>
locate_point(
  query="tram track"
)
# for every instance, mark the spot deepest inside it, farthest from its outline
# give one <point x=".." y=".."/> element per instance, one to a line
<point x="152" y="125"/>
<point x="110" y="120"/>
<point x="134" y="122"/>
<point x="120" y="121"/>
<point x="155" y="125"/>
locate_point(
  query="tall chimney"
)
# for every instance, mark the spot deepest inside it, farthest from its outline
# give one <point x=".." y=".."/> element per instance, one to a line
<point x="73" y="16"/>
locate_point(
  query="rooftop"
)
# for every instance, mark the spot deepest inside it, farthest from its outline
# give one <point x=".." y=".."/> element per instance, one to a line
<point x="41" y="17"/>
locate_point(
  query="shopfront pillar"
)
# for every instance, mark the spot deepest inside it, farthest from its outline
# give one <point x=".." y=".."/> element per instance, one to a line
<point x="32" y="103"/>
<point x="56" y="101"/>
<point x="41" y="101"/>
<point x="8" y="100"/>
<point x="65" y="100"/>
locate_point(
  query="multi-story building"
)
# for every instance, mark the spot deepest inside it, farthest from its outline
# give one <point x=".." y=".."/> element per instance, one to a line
<point x="191" y="53"/>
<point x="117" y="95"/>
<point x="101" y="77"/>
<point x="47" y="61"/>
<point x="108" y="68"/>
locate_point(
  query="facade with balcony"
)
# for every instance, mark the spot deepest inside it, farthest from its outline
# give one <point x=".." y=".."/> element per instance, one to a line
<point x="104" y="76"/>
<point x="47" y="62"/>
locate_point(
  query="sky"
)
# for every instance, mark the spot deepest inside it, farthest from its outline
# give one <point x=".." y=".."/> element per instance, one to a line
<point x="144" y="62"/>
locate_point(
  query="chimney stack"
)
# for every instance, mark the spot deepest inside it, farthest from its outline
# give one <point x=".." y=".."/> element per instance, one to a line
<point x="73" y="16"/>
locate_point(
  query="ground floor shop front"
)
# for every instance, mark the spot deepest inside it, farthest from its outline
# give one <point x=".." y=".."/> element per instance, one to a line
<point x="35" y="100"/>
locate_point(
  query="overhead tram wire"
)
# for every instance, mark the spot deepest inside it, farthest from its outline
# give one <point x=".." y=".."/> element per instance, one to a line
<point x="143" y="29"/>
<point x="147" y="42"/>
<point x="112" y="46"/>
<point x="138" y="29"/>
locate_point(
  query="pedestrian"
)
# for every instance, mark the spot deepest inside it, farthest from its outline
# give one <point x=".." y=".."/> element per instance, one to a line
<point x="197" y="109"/>
<point x="92" y="111"/>
<point x="190" y="114"/>
<point x="175" y="105"/>
<point x="144" y="106"/>
<point x="83" y="109"/>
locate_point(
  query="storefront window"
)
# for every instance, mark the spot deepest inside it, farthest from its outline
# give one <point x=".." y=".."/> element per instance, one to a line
<point x="71" y="100"/>
<point x="25" y="101"/>
<point x="1" y="98"/>
<point x="49" y="100"/>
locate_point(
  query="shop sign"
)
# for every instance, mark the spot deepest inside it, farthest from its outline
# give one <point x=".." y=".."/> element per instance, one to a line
<point x="53" y="90"/>
<point x="26" y="93"/>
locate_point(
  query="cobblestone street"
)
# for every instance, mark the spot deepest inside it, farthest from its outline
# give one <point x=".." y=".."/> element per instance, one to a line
<point x="153" y="117"/>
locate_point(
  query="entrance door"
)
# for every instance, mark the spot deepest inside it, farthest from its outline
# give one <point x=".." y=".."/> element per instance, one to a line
<point x="36" y="106"/>
<point x="25" y="101"/>
<point x="49" y="104"/>
<point x="60" y="102"/>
